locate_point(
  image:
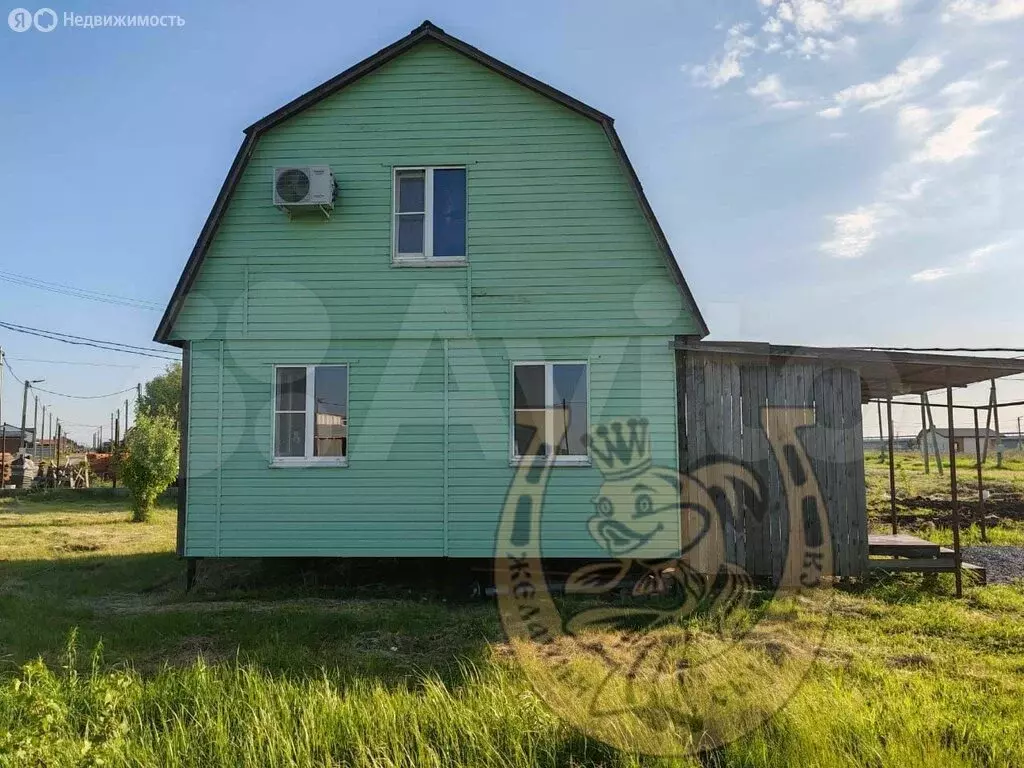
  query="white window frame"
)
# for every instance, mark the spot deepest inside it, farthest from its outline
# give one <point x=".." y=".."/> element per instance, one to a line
<point x="308" y="460"/>
<point x="580" y="460"/>
<point x="427" y="258"/>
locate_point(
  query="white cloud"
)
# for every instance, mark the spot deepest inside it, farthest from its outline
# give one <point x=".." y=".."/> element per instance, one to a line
<point x="971" y="262"/>
<point x="786" y="12"/>
<point x="831" y="113"/>
<point x="854" y="232"/>
<point x="773" y="26"/>
<point x="960" y="88"/>
<point x="769" y="88"/>
<point x="959" y="138"/>
<point x="914" y="121"/>
<point x="767" y="3"/>
<point x="813" y="16"/>
<point x="913" y="192"/>
<point x="926" y="275"/>
<point x="992" y="66"/>
<point x="838" y="135"/>
<point x="728" y="66"/>
<point x="771" y="91"/>
<point x="986" y="11"/>
<point x="909" y="74"/>
<point x="865" y="10"/>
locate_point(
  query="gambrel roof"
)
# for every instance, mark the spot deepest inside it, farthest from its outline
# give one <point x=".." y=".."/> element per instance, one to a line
<point x="426" y="31"/>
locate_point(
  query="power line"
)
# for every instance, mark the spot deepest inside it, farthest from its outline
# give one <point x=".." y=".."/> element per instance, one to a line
<point x="79" y="293"/>
<point x="72" y="362"/>
<point x="62" y="394"/>
<point x="83" y="341"/>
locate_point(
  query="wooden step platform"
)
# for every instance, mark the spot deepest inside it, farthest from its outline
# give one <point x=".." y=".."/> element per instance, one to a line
<point x="903" y="553"/>
<point x="901" y="545"/>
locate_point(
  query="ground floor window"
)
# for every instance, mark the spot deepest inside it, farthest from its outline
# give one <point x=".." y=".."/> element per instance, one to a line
<point x="310" y="414"/>
<point x="550" y="411"/>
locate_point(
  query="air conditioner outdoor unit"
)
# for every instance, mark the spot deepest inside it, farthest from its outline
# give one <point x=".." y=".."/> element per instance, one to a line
<point x="303" y="187"/>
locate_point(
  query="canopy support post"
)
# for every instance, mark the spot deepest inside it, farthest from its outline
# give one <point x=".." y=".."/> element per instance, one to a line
<point x="892" y="465"/>
<point x="924" y="440"/>
<point x="981" y="492"/>
<point x="957" y="561"/>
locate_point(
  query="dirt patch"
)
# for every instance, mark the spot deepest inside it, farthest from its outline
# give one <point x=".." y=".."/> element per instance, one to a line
<point x="912" y="661"/>
<point x="134" y="603"/>
<point x="779" y="651"/>
<point x="14" y="587"/>
<point x="380" y="642"/>
<point x="1004" y="506"/>
<point x="76" y="546"/>
<point x="195" y="647"/>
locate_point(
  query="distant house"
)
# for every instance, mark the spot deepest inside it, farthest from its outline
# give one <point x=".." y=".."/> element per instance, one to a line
<point x="11" y="438"/>
<point x="48" y="448"/>
<point x="964" y="440"/>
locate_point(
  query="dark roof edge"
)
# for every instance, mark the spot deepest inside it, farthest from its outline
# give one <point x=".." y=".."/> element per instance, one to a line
<point x="850" y="355"/>
<point x="195" y="258"/>
<point x="426" y="30"/>
<point x="659" y="233"/>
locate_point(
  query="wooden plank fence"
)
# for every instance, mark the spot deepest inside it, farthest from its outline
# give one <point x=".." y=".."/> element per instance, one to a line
<point x="721" y="398"/>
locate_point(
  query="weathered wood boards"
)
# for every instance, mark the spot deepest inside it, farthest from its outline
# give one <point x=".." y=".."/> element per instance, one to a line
<point x="720" y="416"/>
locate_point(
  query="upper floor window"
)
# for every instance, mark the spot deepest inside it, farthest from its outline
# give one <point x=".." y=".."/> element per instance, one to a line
<point x="430" y="215"/>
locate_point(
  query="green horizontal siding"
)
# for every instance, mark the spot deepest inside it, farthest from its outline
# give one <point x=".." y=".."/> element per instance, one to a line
<point x="390" y="500"/>
<point x="557" y="240"/>
<point x="562" y="265"/>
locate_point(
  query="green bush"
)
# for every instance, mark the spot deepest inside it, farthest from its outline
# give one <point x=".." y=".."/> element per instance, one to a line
<point x="148" y="462"/>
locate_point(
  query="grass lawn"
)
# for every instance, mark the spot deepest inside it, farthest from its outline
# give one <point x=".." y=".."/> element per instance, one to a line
<point x="104" y="660"/>
<point x="915" y="490"/>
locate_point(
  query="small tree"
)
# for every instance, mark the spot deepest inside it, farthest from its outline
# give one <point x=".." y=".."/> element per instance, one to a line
<point x="148" y="462"/>
<point x="161" y="396"/>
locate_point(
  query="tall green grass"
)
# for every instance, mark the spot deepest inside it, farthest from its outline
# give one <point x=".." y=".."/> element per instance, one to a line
<point x="237" y="715"/>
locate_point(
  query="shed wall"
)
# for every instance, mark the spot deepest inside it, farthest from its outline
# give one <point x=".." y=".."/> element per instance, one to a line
<point x="721" y="398"/>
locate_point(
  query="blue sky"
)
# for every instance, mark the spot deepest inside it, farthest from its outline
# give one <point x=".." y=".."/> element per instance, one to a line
<point x="828" y="171"/>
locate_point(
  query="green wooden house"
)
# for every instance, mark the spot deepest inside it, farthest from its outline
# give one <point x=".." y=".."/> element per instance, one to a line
<point x="360" y="377"/>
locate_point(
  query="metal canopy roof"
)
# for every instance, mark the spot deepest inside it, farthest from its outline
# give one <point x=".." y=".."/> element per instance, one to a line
<point x="882" y="373"/>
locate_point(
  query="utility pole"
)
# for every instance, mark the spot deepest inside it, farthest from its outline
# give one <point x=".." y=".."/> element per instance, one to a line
<point x="1020" y="442"/>
<point x="57" y="463"/>
<point x="24" y="407"/>
<point x="117" y="439"/>
<point x="3" y="432"/>
<point x="126" y="417"/>
<point x="24" y="411"/>
<point x="42" y="426"/>
<point x="35" y="430"/>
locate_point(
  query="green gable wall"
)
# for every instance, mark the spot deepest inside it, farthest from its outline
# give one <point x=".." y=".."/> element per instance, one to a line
<point x="556" y="238"/>
<point x="562" y="264"/>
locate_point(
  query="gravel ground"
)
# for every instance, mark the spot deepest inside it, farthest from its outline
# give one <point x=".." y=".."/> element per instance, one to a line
<point x="1003" y="564"/>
